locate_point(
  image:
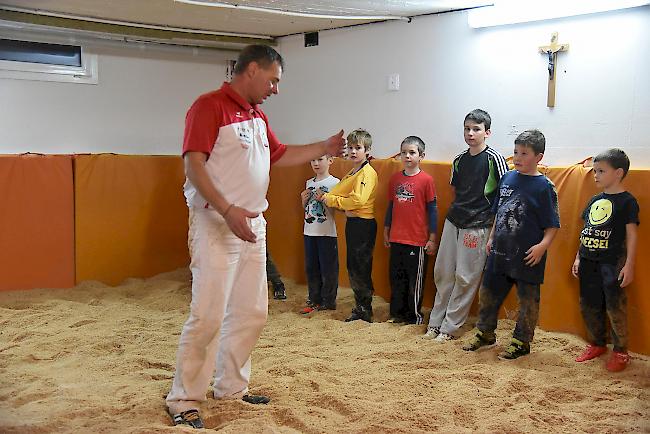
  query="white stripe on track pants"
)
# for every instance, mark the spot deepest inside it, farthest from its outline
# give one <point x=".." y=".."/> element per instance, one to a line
<point x="227" y="314"/>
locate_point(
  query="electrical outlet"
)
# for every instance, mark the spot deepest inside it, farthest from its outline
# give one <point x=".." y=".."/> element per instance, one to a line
<point x="393" y="82"/>
<point x="513" y="131"/>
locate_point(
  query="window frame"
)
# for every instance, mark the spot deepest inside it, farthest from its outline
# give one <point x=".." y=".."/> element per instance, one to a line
<point x="87" y="73"/>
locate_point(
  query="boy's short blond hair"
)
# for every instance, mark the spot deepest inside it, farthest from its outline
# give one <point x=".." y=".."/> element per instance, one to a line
<point x="360" y="137"/>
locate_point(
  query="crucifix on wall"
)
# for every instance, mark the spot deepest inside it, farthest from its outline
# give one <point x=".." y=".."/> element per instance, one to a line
<point x="551" y="51"/>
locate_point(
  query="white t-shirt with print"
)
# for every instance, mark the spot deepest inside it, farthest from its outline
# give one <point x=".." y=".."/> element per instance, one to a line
<point x="319" y="219"/>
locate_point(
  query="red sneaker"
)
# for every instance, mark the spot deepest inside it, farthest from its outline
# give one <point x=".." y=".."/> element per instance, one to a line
<point x="618" y="361"/>
<point x="308" y="309"/>
<point x="591" y="352"/>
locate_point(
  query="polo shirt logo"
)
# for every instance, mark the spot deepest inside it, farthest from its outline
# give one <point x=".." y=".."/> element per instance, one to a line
<point x="245" y="137"/>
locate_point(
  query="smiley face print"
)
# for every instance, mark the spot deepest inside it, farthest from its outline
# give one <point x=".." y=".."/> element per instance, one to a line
<point x="600" y="212"/>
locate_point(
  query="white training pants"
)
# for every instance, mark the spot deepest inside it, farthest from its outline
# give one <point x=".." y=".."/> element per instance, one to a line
<point x="227" y="314"/>
<point x="457" y="274"/>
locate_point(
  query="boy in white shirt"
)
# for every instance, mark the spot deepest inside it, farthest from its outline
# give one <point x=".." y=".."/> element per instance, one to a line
<point x="321" y="252"/>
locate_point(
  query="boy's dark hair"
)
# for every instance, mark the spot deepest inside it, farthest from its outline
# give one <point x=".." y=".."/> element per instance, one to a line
<point x="480" y="117"/>
<point x="262" y="54"/>
<point x="533" y="139"/>
<point x="616" y="158"/>
<point x="414" y="140"/>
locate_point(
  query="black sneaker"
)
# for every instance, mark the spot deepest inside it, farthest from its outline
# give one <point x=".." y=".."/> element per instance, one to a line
<point x="481" y="340"/>
<point x="189" y="417"/>
<point x="358" y="313"/>
<point x="256" y="399"/>
<point x="353" y="316"/>
<point x="279" y="292"/>
<point x="326" y="307"/>
<point x="515" y="350"/>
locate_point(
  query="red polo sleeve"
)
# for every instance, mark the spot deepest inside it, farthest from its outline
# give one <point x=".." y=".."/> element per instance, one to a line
<point x="201" y="126"/>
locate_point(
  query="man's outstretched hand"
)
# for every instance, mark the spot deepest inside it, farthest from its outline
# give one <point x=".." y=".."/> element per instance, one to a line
<point x="335" y="144"/>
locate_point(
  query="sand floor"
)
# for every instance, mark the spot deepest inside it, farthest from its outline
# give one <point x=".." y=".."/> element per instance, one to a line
<point x="96" y="359"/>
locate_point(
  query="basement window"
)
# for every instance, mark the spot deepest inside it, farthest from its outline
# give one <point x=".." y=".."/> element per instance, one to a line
<point x="43" y="61"/>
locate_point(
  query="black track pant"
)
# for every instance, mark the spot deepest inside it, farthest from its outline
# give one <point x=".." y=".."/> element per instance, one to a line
<point x="360" y="237"/>
<point x="408" y="266"/>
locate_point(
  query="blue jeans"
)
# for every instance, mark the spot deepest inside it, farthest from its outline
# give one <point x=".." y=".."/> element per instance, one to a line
<point x="494" y="291"/>
<point x="322" y="268"/>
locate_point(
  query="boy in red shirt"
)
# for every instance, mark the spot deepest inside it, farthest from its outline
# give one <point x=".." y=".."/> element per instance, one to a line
<point x="410" y="232"/>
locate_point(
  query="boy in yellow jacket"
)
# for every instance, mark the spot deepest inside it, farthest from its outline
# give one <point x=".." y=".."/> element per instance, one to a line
<point x="355" y="195"/>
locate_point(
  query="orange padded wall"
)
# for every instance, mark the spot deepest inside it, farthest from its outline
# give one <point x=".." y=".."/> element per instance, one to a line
<point x="36" y="222"/>
<point x="559" y="310"/>
<point x="128" y="219"/>
<point x="130" y="216"/>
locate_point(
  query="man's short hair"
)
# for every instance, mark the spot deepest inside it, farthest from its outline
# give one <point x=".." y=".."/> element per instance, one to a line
<point x="480" y="117"/>
<point x="533" y="139"/>
<point x="616" y="158"/>
<point x="360" y="137"/>
<point x="263" y="55"/>
<point x="414" y="140"/>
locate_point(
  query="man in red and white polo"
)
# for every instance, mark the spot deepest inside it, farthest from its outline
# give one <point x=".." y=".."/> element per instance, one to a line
<point x="228" y="149"/>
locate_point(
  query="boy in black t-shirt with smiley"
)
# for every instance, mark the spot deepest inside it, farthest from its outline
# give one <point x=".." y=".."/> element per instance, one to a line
<point x="605" y="260"/>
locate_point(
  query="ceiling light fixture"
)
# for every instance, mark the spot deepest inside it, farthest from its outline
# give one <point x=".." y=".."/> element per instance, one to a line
<point x="521" y="11"/>
<point x="291" y="13"/>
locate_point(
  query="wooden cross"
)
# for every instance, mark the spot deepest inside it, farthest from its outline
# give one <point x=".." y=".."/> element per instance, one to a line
<point x="551" y="51"/>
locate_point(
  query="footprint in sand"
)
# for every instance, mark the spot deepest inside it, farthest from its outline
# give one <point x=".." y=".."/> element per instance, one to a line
<point x="155" y="365"/>
<point x="331" y="403"/>
<point x="282" y="372"/>
<point x="158" y="377"/>
<point x="83" y="322"/>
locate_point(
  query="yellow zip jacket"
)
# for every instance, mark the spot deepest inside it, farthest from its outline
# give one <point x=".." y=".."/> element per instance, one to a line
<point x="355" y="194"/>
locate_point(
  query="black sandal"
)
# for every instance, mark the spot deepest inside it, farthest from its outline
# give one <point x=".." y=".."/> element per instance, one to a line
<point x="279" y="293"/>
<point x="189" y="417"/>
<point x="256" y="399"/>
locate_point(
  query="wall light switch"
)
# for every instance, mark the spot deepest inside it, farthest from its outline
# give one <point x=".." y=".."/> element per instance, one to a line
<point x="393" y="82"/>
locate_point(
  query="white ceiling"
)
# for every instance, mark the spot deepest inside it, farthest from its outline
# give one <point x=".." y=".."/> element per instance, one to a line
<point x="251" y="21"/>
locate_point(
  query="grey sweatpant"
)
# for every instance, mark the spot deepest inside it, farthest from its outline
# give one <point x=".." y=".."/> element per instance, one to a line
<point x="457" y="274"/>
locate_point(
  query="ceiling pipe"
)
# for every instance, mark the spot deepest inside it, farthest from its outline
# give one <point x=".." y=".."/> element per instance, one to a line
<point x="132" y="24"/>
